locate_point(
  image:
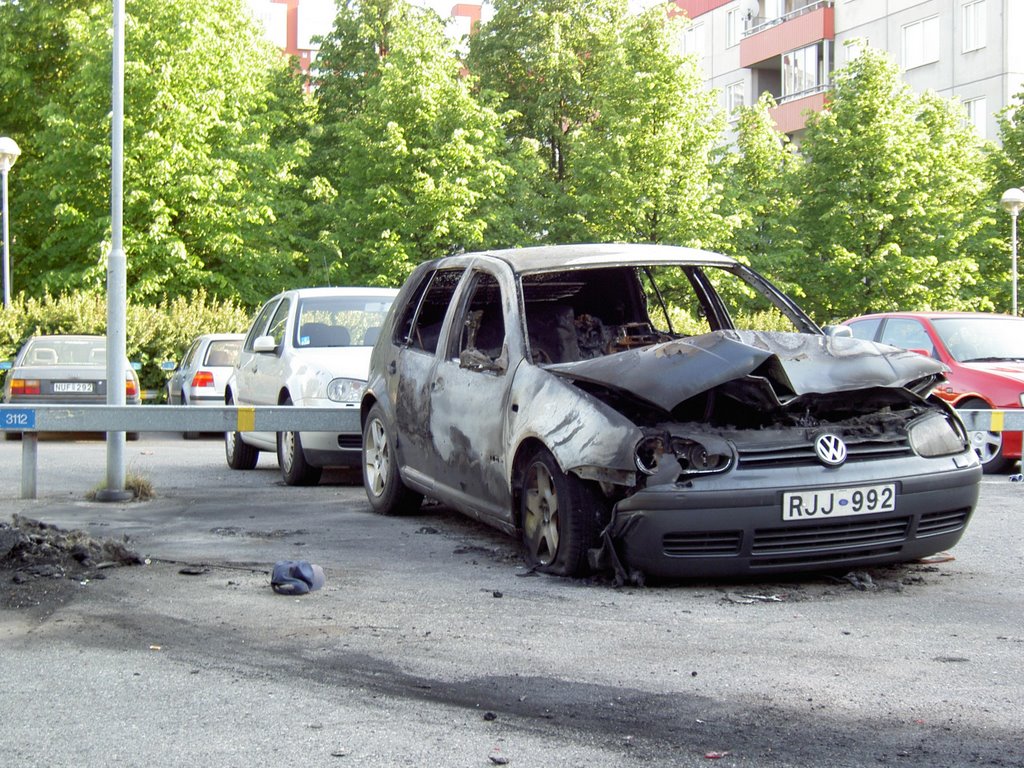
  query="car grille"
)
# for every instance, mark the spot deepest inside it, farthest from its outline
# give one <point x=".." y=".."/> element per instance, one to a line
<point x="754" y="457"/>
<point x="935" y="523"/>
<point x="829" y="543"/>
<point x="702" y="543"/>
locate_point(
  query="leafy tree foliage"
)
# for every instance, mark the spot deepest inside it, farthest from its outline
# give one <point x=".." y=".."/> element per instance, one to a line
<point x="760" y="201"/>
<point x="407" y="158"/>
<point x="213" y="124"/>
<point x="623" y="122"/>
<point x="890" y="197"/>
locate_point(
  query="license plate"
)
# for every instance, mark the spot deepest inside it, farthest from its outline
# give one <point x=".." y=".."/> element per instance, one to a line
<point x="838" y="502"/>
<point x="72" y="386"/>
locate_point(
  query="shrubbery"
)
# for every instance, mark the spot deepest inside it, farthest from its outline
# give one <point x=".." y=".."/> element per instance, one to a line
<point x="155" y="333"/>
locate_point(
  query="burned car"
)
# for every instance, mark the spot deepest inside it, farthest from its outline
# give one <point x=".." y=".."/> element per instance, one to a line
<point x="660" y="411"/>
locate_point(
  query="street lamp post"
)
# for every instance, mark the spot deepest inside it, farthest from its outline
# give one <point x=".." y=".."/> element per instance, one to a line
<point x="9" y="152"/>
<point x="1013" y="201"/>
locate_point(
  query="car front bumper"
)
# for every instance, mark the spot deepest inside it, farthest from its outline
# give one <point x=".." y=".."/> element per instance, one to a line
<point x="709" y="529"/>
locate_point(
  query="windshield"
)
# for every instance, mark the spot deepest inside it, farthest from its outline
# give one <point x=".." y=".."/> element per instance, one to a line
<point x="982" y="339"/>
<point x="341" y="321"/>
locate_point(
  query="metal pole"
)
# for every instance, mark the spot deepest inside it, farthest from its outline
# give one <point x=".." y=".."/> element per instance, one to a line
<point x="7" y="257"/>
<point x="117" y="289"/>
<point x="1013" y="271"/>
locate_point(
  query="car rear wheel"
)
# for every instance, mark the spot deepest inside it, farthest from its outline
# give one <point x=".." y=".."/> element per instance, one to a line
<point x="239" y="454"/>
<point x="188" y="435"/>
<point x="988" y="445"/>
<point x="290" y="457"/>
<point x="387" y="493"/>
<point x="560" y="517"/>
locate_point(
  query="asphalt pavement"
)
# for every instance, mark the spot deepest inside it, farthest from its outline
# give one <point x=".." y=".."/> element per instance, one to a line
<point x="432" y="645"/>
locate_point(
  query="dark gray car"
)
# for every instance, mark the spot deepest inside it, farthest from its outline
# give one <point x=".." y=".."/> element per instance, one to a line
<point x="659" y="411"/>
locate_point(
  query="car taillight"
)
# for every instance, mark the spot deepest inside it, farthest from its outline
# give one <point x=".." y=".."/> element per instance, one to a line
<point x="131" y="389"/>
<point x="202" y="379"/>
<point x="24" y="386"/>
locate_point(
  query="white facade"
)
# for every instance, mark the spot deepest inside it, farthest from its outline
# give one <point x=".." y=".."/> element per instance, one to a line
<point x="969" y="49"/>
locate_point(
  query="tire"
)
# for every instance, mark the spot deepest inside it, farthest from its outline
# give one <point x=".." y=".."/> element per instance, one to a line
<point x="239" y="454"/>
<point x="988" y="445"/>
<point x="188" y="435"/>
<point x="387" y="494"/>
<point x="560" y="517"/>
<point x="294" y="468"/>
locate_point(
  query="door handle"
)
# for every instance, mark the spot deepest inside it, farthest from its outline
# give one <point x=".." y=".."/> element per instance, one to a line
<point x="392" y="367"/>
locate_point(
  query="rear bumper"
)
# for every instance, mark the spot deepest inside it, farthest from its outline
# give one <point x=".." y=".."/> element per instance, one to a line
<point x="681" y="532"/>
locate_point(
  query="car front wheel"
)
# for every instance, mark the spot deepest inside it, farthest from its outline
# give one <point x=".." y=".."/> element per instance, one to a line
<point x="239" y="454"/>
<point x="387" y="493"/>
<point x="290" y="457"/>
<point x="560" y="517"/>
<point x="988" y="445"/>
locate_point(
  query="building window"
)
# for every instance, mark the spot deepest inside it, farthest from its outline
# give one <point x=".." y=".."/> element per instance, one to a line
<point x="974" y="25"/>
<point x="735" y="97"/>
<point x="977" y="114"/>
<point x="802" y="70"/>
<point x="734" y="27"/>
<point x="921" y="43"/>
<point x="693" y="41"/>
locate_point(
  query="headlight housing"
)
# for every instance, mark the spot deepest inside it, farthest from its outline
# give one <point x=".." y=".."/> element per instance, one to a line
<point x="345" y="390"/>
<point x="935" y="435"/>
<point x="690" y="455"/>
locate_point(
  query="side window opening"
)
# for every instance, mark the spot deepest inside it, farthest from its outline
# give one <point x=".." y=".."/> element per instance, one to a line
<point x="482" y="339"/>
<point x="277" y="325"/>
<point x="420" y="325"/>
<point x="259" y="324"/>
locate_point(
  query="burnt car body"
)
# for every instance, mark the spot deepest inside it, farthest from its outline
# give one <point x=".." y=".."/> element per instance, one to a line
<point x="544" y="391"/>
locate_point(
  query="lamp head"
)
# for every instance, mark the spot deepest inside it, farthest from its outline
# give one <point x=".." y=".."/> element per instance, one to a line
<point x="1013" y="200"/>
<point x="9" y="152"/>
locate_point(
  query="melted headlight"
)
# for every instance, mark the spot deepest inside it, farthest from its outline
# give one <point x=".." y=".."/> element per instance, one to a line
<point x="689" y="455"/>
<point x="933" y="435"/>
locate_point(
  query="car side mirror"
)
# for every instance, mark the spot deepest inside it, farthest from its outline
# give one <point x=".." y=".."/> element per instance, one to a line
<point x="264" y="344"/>
<point x="834" y="331"/>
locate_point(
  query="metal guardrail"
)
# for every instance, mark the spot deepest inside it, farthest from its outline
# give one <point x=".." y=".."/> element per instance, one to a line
<point x="30" y="420"/>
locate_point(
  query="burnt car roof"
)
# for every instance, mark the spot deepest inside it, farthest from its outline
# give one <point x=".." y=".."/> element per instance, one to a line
<point x="552" y="257"/>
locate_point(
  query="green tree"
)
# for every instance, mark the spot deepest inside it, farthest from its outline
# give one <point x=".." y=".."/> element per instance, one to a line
<point x="891" y="197"/>
<point x="214" y="123"/>
<point x="407" y="159"/>
<point x="623" y="122"/>
<point x="760" y="175"/>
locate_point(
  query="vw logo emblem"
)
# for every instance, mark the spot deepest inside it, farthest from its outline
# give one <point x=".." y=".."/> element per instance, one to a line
<point x="831" y="450"/>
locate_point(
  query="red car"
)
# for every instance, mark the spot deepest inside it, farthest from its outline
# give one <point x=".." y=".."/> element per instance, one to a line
<point x="985" y="355"/>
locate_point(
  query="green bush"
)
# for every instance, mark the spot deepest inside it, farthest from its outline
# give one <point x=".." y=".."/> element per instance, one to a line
<point x="155" y="333"/>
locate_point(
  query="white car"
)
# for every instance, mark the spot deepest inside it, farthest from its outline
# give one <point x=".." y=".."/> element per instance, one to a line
<point x="202" y="375"/>
<point x="308" y="347"/>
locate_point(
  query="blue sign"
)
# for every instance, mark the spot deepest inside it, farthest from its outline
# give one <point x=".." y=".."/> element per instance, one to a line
<point x="17" y="418"/>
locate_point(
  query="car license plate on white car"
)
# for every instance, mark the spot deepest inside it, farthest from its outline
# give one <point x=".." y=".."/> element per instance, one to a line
<point x="72" y="386"/>
<point x="838" y="502"/>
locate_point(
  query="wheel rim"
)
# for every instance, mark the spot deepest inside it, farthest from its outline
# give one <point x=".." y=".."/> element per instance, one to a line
<point x="229" y="443"/>
<point x="287" y="450"/>
<point x="987" y="445"/>
<point x="378" y="455"/>
<point x="540" y="522"/>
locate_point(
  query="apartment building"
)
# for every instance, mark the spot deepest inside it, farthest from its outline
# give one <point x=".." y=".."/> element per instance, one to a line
<point x="970" y="49"/>
<point x="292" y="25"/>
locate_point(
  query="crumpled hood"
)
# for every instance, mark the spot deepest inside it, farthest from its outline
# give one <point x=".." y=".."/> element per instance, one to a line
<point x="796" y="363"/>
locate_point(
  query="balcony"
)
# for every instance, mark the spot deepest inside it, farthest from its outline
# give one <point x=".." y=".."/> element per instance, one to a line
<point x="791" y="115"/>
<point x="695" y="8"/>
<point x="798" y="29"/>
